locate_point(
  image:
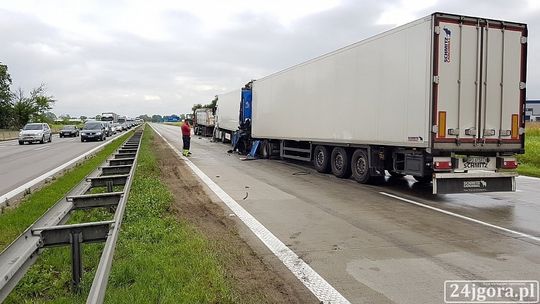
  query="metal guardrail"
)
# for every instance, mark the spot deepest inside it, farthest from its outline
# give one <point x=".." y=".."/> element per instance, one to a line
<point x="50" y="230"/>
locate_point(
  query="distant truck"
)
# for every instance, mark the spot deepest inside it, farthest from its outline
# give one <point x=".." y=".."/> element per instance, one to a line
<point x="204" y="122"/>
<point x="441" y="99"/>
<point x="109" y="116"/>
<point x="122" y="120"/>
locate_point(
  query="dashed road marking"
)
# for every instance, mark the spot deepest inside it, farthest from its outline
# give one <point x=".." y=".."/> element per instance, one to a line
<point x="42" y="148"/>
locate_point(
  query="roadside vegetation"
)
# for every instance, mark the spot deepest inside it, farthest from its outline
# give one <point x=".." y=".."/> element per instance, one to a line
<point x="529" y="163"/>
<point x="158" y="258"/>
<point x="14" y="220"/>
<point x="18" y="107"/>
<point x="178" y="124"/>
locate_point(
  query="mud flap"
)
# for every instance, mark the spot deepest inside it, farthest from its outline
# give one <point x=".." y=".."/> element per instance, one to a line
<point x="447" y="183"/>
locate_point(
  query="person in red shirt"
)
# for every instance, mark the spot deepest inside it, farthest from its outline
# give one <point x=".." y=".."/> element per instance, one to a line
<point x="186" y="137"/>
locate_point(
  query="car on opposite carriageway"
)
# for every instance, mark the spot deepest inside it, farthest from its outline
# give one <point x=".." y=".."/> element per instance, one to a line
<point x="69" y="130"/>
<point x="32" y="132"/>
<point x="94" y="130"/>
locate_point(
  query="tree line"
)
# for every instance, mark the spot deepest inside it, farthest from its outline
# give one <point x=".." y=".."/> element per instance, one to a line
<point x="17" y="107"/>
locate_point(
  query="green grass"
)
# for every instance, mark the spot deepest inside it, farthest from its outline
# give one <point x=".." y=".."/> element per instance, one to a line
<point x="15" y="220"/>
<point x="178" y="124"/>
<point x="530" y="161"/>
<point x="158" y="259"/>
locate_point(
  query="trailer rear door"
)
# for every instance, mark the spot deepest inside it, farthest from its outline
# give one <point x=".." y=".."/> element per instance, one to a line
<point x="479" y="83"/>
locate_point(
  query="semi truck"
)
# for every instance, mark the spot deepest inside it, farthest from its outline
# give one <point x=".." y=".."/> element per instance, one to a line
<point x="440" y="99"/>
<point x="109" y="116"/>
<point x="204" y="122"/>
<point x="227" y="115"/>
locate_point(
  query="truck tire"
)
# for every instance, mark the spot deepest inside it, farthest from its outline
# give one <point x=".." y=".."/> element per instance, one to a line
<point x="321" y="159"/>
<point x="266" y="149"/>
<point x="360" y="166"/>
<point x="340" y="161"/>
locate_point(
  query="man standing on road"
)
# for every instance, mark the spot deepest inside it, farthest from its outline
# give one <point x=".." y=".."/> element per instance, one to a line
<point x="186" y="137"/>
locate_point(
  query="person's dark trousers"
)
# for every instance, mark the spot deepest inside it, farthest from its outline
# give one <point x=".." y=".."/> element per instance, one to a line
<point x="186" y="140"/>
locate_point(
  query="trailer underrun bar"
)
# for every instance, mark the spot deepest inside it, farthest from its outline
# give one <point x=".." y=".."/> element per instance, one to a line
<point x="51" y="231"/>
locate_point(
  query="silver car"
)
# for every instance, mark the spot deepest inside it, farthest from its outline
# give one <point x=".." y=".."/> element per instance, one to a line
<point x="32" y="132"/>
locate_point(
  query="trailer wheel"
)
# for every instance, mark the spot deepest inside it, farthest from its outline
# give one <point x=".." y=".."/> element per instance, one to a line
<point x="266" y="149"/>
<point x="321" y="159"/>
<point x="360" y="166"/>
<point x="341" y="162"/>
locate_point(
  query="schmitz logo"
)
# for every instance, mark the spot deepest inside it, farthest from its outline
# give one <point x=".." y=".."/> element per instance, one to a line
<point x="475" y="184"/>
<point x="447" y="40"/>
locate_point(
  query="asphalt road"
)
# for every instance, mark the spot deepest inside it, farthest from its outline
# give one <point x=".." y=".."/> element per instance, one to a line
<point x="373" y="248"/>
<point x="20" y="164"/>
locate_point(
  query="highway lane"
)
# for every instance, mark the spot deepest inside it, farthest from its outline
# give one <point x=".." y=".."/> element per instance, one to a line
<point x="373" y="248"/>
<point x="22" y="163"/>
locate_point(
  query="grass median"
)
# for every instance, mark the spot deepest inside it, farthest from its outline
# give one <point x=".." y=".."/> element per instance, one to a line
<point x="15" y="220"/>
<point x="158" y="258"/>
<point x="529" y="163"/>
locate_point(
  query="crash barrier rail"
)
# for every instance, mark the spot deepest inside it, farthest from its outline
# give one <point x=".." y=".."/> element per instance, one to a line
<point x="51" y="231"/>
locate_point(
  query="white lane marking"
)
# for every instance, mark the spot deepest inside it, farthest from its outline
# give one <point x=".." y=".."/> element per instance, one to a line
<point x="42" y="148"/>
<point x="520" y="234"/>
<point x="4" y="198"/>
<point x="309" y="277"/>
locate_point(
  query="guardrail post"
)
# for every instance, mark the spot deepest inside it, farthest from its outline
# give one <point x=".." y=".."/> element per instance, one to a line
<point x="76" y="261"/>
<point x="110" y="186"/>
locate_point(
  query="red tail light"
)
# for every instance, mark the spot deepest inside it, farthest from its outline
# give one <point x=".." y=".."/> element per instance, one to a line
<point x="509" y="164"/>
<point x="442" y="165"/>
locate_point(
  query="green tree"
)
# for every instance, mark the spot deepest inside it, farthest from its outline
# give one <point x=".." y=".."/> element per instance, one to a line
<point x="145" y="117"/>
<point x="157" y="118"/>
<point x="50" y="117"/>
<point x="31" y="108"/>
<point x="23" y="109"/>
<point x="196" y="106"/>
<point x="6" y="107"/>
<point x="42" y="102"/>
<point x="65" y="118"/>
<point x="212" y="105"/>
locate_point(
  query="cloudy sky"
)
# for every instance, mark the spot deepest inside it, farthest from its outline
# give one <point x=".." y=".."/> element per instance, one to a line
<point x="160" y="57"/>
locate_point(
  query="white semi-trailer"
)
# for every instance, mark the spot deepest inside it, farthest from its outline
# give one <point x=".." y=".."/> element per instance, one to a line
<point x="227" y="115"/>
<point x="441" y="99"/>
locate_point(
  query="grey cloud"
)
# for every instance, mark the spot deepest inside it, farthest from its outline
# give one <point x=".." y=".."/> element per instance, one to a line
<point x="192" y="65"/>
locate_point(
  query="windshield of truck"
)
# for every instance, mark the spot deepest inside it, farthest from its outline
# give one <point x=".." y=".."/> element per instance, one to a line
<point x="33" y="127"/>
<point x="121" y="120"/>
<point x="107" y="118"/>
<point x="69" y="127"/>
<point x="92" y="126"/>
